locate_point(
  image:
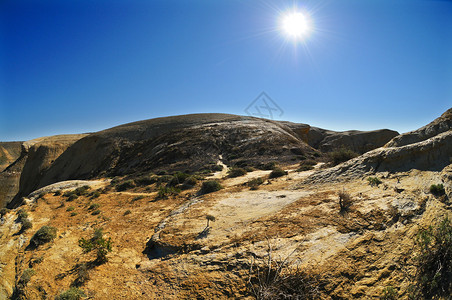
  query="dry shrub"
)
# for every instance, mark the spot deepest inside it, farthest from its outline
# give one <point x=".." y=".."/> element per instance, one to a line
<point x="345" y="201"/>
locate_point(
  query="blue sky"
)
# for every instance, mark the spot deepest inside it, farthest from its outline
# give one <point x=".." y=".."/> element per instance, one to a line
<point x="83" y="66"/>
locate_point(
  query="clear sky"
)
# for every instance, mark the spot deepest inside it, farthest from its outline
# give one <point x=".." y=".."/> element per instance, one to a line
<point x="83" y="66"/>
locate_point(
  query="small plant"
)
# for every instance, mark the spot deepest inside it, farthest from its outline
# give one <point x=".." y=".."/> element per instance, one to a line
<point x="127" y="212"/>
<point x="146" y="180"/>
<point x="26" y="224"/>
<point x="57" y="193"/>
<point x="96" y="212"/>
<point x="95" y="194"/>
<point x="277" y="172"/>
<point x="437" y="189"/>
<point x="164" y="192"/>
<point x="81" y="191"/>
<point x="374" y="181"/>
<point x="138" y="198"/>
<point x="341" y="155"/>
<point x="236" y="172"/>
<point x="71" y="294"/>
<point x="126" y="185"/>
<point x="94" y="206"/>
<point x="210" y="218"/>
<point x="267" y="166"/>
<point x="44" y="235"/>
<point x="70" y="208"/>
<point x="178" y="178"/>
<point x="255" y="183"/>
<point x="277" y="278"/>
<point x="22" y="215"/>
<point x="189" y="182"/>
<point x="345" y="201"/>
<point x="73" y="214"/>
<point x="26" y="276"/>
<point x="72" y="197"/>
<point x="210" y="186"/>
<point x="434" y="261"/>
<point x="98" y="244"/>
<point x="307" y="165"/>
<point x="389" y="293"/>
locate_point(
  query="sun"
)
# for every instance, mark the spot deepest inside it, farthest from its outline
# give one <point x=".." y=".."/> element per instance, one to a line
<point x="296" y="25"/>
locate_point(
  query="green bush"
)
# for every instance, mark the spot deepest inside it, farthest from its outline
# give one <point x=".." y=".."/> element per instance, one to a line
<point x="345" y="201"/>
<point x="210" y="186"/>
<point x="71" y="294"/>
<point x="94" y="206"/>
<point x="307" y="165"/>
<point x="437" y="189"/>
<point x="26" y="224"/>
<point x="267" y="166"/>
<point x="44" y="235"/>
<point x="126" y="185"/>
<point x="189" y="182"/>
<point x="341" y="155"/>
<point x="96" y="212"/>
<point x="73" y="214"/>
<point x="26" y="276"/>
<point x="254" y="183"/>
<point x="22" y="214"/>
<point x="178" y="178"/>
<point x="389" y="293"/>
<point x="434" y="261"/>
<point x="98" y="244"/>
<point x="72" y="197"/>
<point x="138" y="198"/>
<point x="82" y="191"/>
<point x="374" y="181"/>
<point x="146" y="180"/>
<point x="277" y="172"/>
<point x="70" y="208"/>
<point x="95" y="194"/>
<point x="165" y="191"/>
<point x="236" y="172"/>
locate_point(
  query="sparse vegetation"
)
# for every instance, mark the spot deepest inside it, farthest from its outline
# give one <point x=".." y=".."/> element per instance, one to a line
<point x="277" y="172"/>
<point x="72" y="197"/>
<point x="96" y="212"/>
<point x="71" y="294"/>
<point x="255" y="183"/>
<point x="57" y="193"/>
<point x="126" y="185"/>
<point x="146" y="180"/>
<point x="98" y="244"/>
<point x="277" y="279"/>
<point x="307" y="165"/>
<point x="210" y="218"/>
<point x="374" y="181"/>
<point x="45" y="234"/>
<point x="345" y="201"/>
<point x="93" y="206"/>
<point x="189" y="182"/>
<point x="22" y="214"/>
<point x="73" y="214"/>
<point x="267" y="166"/>
<point x="437" y="189"/>
<point x="210" y="186"/>
<point x="341" y="155"/>
<point x="127" y="212"/>
<point x="95" y="194"/>
<point x="236" y="172"/>
<point x="70" y="208"/>
<point x="389" y="293"/>
<point x="26" y="224"/>
<point x="178" y="178"/>
<point x="434" y="261"/>
<point x="26" y="276"/>
<point x="138" y="198"/>
<point x="164" y="192"/>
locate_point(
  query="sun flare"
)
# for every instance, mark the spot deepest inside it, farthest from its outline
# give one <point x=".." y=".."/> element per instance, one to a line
<point x="296" y="25"/>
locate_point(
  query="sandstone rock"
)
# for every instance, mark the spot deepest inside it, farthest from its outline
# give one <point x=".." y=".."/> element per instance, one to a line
<point x="439" y="125"/>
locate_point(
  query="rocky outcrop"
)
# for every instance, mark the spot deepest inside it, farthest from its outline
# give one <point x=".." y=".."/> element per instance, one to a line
<point x="439" y="125"/>
<point x="189" y="142"/>
<point x="36" y="157"/>
<point x="357" y="141"/>
<point x="9" y="152"/>
<point x="417" y="150"/>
